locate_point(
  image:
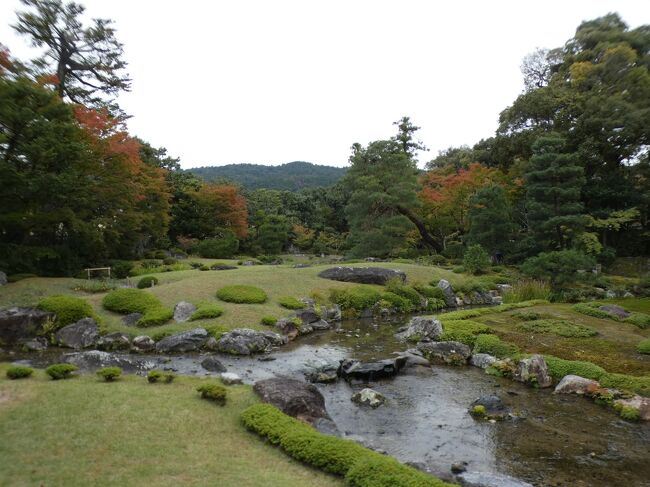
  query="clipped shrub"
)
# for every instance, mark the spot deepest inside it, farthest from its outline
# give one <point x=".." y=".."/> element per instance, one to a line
<point x="154" y="376"/>
<point x="60" y="371"/>
<point x="121" y="269"/>
<point x="476" y="260"/>
<point x="355" y="298"/>
<point x="147" y="281"/>
<point x="217" y="331"/>
<point x="383" y="471"/>
<point x="213" y="392"/>
<point x="459" y="269"/>
<point x="269" y="320"/>
<point x="290" y="302"/>
<point x="204" y="267"/>
<point x="561" y="328"/>
<point x="19" y="372"/>
<point x="127" y="300"/>
<point x="242" y="294"/>
<point x="527" y="289"/>
<point x="392" y="300"/>
<point x="429" y="292"/>
<point x="644" y="346"/>
<point x="155" y="317"/>
<point x="195" y="265"/>
<point x="558" y="368"/>
<point x="206" y="311"/>
<point x="464" y="331"/>
<point x="109" y="374"/>
<point x="68" y="309"/>
<point x="640" y="320"/>
<point x="493" y="345"/>
<point x="407" y="292"/>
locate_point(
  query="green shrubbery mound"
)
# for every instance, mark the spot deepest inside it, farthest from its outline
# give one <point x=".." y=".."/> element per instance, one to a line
<point x="147" y="281"/>
<point x="213" y="392"/>
<point x="68" y="309"/>
<point x="269" y="320"/>
<point x="290" y="302"/>
<point x="493" y="345"/>
<point x="561" y="328"/>
<point x="19" y="372"/>
<point x="644" y="346"/>
<point x="464" y="331"/>
<point x="60" y="371"/>
<point x="109" y="374"/>
<point x="155" y="317"/>
<point x="242" y="294"/>
<point x="206" y="311"/>
<point x="128" y="300"/>
<point x="355" y="298"/>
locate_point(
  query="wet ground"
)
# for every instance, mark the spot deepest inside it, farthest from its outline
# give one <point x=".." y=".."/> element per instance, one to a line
<point x="558" y="440"/>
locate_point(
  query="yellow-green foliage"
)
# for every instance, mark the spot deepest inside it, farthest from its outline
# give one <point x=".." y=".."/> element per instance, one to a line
<point x="154" y="376"/>
<point x="205" y="311"/>
<point x="290" y="302"/>
<point x="561" y="328"/>
<point x="502" y="308"/>
<point x="60" y="371"/>
<point x="213" y="392"/>
<point x="409" y="293"/>
<point x="630" y="414"/>
<point x="127" y="300"/>
<point x="631" y="383"/>
<point x="68" y="309"/>
<point x="109" y="374"/>
<point x="361" y="466"/>
<point x="268" y="320"/>
<point x="355" y="298"/>
<point x="558" y="368"/>
<point x="392" y="300"/>
<point x="155" y="317"/>
<point x="19" y="372"/>
<point x="644" y="346"/>
<point x="242" y="294"/>
<point x="526" y="290"/>
<point x="640" y="320"/>
<point x="464" y="331"/>
<point x="591" y="309"/>
<point x="493" y="345"/>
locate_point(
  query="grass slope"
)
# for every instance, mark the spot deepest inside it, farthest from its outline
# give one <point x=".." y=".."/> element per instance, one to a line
<point x="85" y="432"/>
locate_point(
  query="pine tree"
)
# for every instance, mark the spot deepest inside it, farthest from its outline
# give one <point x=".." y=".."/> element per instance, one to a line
<point x="490" y="220"/>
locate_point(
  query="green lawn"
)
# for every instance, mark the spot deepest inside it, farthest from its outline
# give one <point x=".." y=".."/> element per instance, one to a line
<point x="85" y="432"/>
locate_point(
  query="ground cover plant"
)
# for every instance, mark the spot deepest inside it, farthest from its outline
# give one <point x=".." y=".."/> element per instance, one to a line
<point x="68" y="309"/>
<point x="242" y="294"/>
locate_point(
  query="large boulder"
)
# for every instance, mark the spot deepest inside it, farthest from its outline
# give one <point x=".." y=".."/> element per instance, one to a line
<point x="293" y="397"/>
<point x="114" y="341"/>
<point x="351" y="369"/>
<point x="186" y="341"/>
<point x="446" y="353"/>
<point x="574" y="384"/>
<point x="213" y="364"/>
<point x="489" y="407"/>
<point x="17" y="324"/>
<point x="362" y="275"/>
<point x="421" y="328"/>
<point x="3" y="278"/>
<point x="368" y="397"/>
<point x="448" y="291"/>
<point x="96" y="359"/>
<point x="614" y="310"/>
<point x="533" y="371"/>
<point x="244" y="341"/>
<point x="143" y="343"/>
<point x="82" y="334"/>
<point x="183" y="311"/>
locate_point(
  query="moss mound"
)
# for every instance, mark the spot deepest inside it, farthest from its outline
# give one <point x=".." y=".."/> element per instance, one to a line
<point x="242" y="294"/>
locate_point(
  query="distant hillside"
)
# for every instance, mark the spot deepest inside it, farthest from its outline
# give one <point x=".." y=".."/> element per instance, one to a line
<point x="292" y="176"/>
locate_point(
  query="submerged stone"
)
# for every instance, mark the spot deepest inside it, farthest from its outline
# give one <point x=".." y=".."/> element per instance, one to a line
<point x="368" y="397"/>
<point x="446" y="353"/>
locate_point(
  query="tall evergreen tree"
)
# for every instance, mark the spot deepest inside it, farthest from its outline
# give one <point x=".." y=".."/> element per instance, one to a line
<point x="554" y="181"/>
<point x="490" y="218"/>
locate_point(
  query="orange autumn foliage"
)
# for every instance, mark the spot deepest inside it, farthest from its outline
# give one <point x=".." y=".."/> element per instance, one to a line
<point x="225" y="205"/>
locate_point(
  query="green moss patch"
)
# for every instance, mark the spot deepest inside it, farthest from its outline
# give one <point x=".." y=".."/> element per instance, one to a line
<point x="644" y="346"/>
<point x="242" y="294"/>
<point x="290" y="302"/>
<point x="127" y="300"/>
<point x="563" y="328"/>
<point x="68" y="309"/>
<point x="464" y="331"/>
<point x="206" y="311"/>
<point x="493" y="345"/>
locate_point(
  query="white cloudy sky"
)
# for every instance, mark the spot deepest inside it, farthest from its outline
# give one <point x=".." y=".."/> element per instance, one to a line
<point x="276" y="81"/>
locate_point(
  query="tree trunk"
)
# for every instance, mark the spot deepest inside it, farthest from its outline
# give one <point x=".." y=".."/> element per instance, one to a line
<point x="424" y="233"/>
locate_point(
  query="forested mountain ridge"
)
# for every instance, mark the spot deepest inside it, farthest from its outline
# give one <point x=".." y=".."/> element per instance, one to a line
<point x="292" y="176"/>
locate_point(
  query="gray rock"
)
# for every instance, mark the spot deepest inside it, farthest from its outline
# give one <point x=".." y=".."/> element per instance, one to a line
<point x="421" y="328"/>
<point x="143" y="343"/>
<point x="320" y="325"/>
<point x="482" y="360"/>
<point x="450" y="297"/>
<point x="351" y="369"/>
<point x="494" y="407"/>
<point x="186" y="341"/>
<point x="533" y="371"/>
<point x="230" y="378"/>
<point x="211" y="344"/>
<point x="368" y="397"/>
<point x="488" y="479"/>
<point x="3" y="279"/>
<point x="114" y="341"/>
<point x="131" y="319"/>
<point x="82" y="334"/>
<point x="212" y="364"/>
<point x="96" y="359"/>
<point x="333" y="314"/>
<point x="244" y="341"/>
<point x="18" y="324"/>
<point x="288" y="327"/>
<point x="614" y="310"/>
<point x="362" y="275"/>
<point x="574" y="384"/>
<point x="183" y="311"/>
<point x="324" y="372"/>
<point x="37" y="344"/>
<point x="326" y="426"/>
<point x="293" y="397"/>
<point x="307" y="315"/>
<point x="447" y="353"/>
<point x="641" y="404"/>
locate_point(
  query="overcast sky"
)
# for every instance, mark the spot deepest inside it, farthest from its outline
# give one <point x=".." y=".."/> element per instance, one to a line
<point x="271" y="82"/>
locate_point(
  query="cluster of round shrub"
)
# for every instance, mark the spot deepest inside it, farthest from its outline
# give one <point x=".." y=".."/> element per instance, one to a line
<point x="127" y="300"/>
<point x="213" y="392"/>
<point x="67" y="309"/>
<point x="206" y="311"/>
<point x="147" y="281"/>
<point x="242" y="294"/>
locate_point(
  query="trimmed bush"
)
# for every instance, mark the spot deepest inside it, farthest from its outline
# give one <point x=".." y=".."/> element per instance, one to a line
<point x="361" y="466"/>
<point x="290" y="302"/>
<point x="640" y="320"/>
<point x="644" y="346"/>
<point x="68" y="309"/>
<point x="242" y="294"/>
<point x="493" y="345"/>
<point x="109" y="374"/>
<point x="19" y="372"/>
<point x="120" y="269"/>
<point x="561" y="328"/>
<point x="356" y="297"/>
<point x="269" y="320"/>
<point x="392" y="300"/>
<point x="60" y="371"/>
<point x="558" y="368"/>
<point x="154" y="376"/>
<point x="217" y="331"/>
<point x="206" y="311"/>
<point x="147" y="281"/>
<point x="128" y="300"/>
<point x="429" y="292"/>
<point x="476" y="260"/>
<point x="155" y="317"/>
<point x="464" y="331"/>
<point x="407" y="292"/>
<point x="213" y="392"/>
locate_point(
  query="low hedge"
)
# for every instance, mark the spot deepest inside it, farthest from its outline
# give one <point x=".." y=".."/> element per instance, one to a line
<point x="361" y="467"/>
<point x="392" y="300"/>
<point x="68" y="309"/>
<point x="290" y="302"/>
<point x="407" y="292"/>
<point x="591" y="309"/>
<point x="269" y="320"/>
<point x="147" y="281"/>
<point x="242" y="294"/>
<point x="127" y="300"/>
<point x="464" y="331"/>
<point x="355" y="298"/>
<point x="206" y="311"/>
<point x="155" y="317"/>
<point x="558" y="368"/>
<point x="109" y="374"/>
<point x="60" y="371"/>
<point x="19" y="372"/>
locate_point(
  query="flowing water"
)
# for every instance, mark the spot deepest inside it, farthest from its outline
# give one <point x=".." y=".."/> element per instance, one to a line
<point x="559" y="440"/>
